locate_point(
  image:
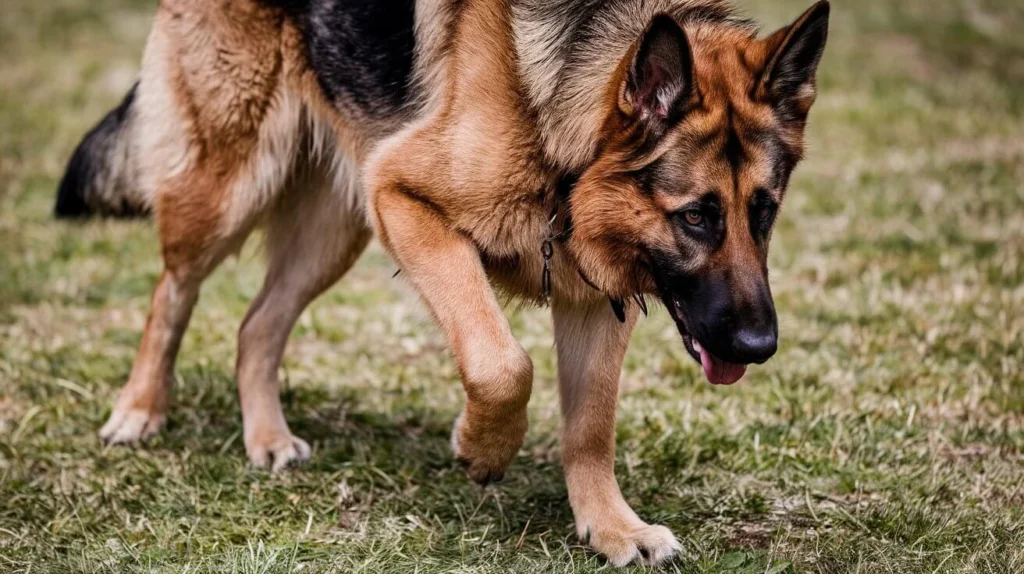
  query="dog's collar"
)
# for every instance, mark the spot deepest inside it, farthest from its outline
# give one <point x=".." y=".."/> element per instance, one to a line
<point x="559" y="228"/>
<point x="560" y="221"/>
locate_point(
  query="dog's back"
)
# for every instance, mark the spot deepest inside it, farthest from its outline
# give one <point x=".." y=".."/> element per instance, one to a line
<point x="219" y="78"/>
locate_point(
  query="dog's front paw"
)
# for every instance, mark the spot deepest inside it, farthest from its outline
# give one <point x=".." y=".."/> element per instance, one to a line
<point x="486" y="450"/>
<point x="130" y="426"/>
<point x="276" y="450"/>
<point x="622" y="542"/>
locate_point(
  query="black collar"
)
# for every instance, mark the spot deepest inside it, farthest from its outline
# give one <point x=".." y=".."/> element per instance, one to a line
<point x="561" y="215"/>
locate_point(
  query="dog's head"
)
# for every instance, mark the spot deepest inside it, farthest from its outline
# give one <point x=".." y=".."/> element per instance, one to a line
<point x="704" y="128"/>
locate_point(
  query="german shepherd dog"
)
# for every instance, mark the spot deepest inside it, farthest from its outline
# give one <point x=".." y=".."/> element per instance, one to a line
<point x="575" y="153"/>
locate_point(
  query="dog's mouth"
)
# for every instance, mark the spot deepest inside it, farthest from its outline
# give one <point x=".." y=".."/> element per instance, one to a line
<point x="717" y="371"/>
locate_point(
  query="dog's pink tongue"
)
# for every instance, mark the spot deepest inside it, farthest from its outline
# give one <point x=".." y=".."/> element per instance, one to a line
<point x="718" y="371"/>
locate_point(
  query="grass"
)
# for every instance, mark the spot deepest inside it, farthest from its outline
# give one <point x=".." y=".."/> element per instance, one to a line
<point x="886" y="436"/>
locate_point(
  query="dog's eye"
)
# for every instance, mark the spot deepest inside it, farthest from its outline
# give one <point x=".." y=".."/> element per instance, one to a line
<point x="693" y="217"/>
<point x="763" y="209"/>
<point x="762" y="216"/>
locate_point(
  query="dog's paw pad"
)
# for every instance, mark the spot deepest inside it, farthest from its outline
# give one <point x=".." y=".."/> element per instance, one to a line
<point x="130" y="426"/>
<point x="278" y="453"/>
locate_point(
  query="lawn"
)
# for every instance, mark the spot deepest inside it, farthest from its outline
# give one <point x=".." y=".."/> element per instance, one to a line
<point x="886" y="436"/>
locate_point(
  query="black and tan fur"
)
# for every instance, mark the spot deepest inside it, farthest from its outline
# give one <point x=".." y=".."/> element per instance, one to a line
<point x="650" y="141"/>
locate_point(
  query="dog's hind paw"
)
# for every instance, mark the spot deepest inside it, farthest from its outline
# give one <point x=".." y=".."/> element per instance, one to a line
<point x="129" y="426"/>
<point x="277" y="452"/>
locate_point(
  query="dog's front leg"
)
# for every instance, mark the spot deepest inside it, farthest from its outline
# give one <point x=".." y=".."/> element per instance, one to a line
<point x="497" y="374"/>
<point x="591" y="345"/>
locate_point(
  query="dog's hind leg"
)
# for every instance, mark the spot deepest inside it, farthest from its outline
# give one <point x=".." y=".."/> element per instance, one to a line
<point x="312" y="240"/>
<point x="189" y="257"/>
<point x="140" y="408"/>
<point x="217" y="129"/>
<point x="591" y="344"/>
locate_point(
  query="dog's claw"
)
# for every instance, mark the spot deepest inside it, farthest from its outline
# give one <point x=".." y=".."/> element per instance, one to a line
<point x="649" y="544"/>
<point x="483" y="479"/>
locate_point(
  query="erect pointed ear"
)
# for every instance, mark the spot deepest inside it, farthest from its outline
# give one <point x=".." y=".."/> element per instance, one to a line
<point x="788" y="79"/>
<point x="660" y="77"/>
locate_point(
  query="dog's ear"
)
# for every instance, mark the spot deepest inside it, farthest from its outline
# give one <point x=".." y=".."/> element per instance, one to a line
<point x="659" y="79"/>
<point x="788" y="80"/>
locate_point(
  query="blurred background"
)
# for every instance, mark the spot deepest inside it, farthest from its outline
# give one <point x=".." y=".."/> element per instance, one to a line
<point x="886" y="436"/>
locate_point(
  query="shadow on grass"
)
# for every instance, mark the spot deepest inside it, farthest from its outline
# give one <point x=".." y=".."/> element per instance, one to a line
<point x="382" y="470"/>
<point x="382" y="463"/>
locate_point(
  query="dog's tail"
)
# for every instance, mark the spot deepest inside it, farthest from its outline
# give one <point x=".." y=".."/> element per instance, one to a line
<point x="100" y="178"/>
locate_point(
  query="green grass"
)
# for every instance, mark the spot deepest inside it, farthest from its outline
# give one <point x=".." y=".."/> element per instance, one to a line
<point x="886" y="436"/>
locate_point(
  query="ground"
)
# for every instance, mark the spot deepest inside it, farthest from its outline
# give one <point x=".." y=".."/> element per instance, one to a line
<point x="886" y="436"/>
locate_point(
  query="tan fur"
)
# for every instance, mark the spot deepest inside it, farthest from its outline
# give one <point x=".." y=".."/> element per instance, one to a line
<point x="238" y="134"/>
<point x="589" y="389"/>
<point x="432" y="223"/>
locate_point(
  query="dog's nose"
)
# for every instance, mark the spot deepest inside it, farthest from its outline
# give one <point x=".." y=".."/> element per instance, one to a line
<point x="755" y="345"/>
